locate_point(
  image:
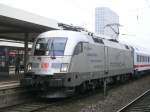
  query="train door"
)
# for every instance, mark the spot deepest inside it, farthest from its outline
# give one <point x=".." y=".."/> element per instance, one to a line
<point x="79" y="59"/>
<point x="106" y="60"/>
<point x="86" y="49"/>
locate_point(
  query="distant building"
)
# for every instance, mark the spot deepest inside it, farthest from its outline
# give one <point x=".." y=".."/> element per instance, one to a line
<point x="106" y="22"/>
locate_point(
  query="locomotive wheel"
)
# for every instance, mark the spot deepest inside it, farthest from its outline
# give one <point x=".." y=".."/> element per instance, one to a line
<point x="82" y="88"/>
<point x="93" y="85"/>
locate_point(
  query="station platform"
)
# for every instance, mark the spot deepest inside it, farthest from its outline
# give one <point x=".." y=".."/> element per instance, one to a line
<point x="11" y="93"/>
<point x="9" y="84"/>
<point x="10" y="81"/>
<point x="10" y="78"/>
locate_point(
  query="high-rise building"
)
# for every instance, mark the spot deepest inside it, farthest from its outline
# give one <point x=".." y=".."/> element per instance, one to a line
<point x="106" y="22"/>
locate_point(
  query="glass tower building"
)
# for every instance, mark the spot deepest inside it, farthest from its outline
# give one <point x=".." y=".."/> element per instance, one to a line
<point x="106" y="22"/>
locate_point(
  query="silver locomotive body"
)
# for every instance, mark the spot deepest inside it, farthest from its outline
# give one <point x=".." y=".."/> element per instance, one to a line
<point x="65" y="60"/>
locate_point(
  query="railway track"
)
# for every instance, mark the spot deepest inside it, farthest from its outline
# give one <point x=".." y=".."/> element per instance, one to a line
<point x="44" y="106"/>
<point x="41" y="105"/>
<point x="34" y="106"/>
<point x="140" y="104"/>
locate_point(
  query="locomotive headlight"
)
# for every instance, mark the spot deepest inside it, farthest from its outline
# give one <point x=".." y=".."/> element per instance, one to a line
<point x="29" y="67"/>
<point x="64" y="67"/>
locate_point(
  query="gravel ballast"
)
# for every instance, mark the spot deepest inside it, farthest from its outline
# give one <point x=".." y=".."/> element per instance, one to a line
<point x="117" y="97"/>
<point x="120" y="96"/>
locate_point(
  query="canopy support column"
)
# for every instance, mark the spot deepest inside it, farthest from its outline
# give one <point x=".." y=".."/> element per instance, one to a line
<point x="26" y="36"/>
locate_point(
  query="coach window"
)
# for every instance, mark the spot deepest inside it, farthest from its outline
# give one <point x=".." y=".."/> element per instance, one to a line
<point x="78" y="48"/>
<point x="146" y="59"/>
<point x="137" y="58"/>
<point x="140" y="58"/>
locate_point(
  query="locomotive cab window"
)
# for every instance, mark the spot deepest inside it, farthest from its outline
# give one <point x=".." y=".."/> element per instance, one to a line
<point x="51" y="46"/>
<point x="78" y="48"/>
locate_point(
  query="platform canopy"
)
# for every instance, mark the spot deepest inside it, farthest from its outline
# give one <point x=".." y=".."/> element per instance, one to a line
<point x="14" y="23"/>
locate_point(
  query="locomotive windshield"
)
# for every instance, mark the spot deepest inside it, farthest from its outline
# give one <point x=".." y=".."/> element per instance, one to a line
<point x="50" y="46"/>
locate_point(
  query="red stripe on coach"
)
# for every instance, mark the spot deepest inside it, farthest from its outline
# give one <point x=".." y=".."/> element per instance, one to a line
<point x="145" y="65"/>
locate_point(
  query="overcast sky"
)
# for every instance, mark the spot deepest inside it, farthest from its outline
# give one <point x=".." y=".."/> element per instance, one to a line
<point x="134" y="14"/>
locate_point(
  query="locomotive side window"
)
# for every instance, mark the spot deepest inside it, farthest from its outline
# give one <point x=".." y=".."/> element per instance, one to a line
<point x="98" y="40"/>
<point x="127" y="47"/>
<point x="78" y="48"/>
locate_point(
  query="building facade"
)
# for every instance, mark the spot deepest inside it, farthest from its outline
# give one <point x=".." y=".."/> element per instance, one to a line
<point x="106" y="22"/>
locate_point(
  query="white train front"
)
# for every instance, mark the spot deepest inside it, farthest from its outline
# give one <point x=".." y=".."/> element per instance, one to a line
<point x="63" y="62"/>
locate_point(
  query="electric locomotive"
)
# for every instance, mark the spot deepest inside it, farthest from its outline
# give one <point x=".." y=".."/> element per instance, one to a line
<point x="63" y="62"/>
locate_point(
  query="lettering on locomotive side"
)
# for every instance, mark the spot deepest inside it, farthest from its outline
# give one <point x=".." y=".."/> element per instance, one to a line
<point x="95" y="60"/>
<point x="87" y="48"/>
<point x="97" y="66"/>
<point x="117" y="64"/>
<point x="92" y="54"/>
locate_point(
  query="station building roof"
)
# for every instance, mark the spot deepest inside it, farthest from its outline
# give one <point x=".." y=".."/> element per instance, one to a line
<point x="14" y="23"/>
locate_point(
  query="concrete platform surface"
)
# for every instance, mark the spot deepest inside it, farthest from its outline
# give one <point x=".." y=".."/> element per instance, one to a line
<point x="9" y="85"/>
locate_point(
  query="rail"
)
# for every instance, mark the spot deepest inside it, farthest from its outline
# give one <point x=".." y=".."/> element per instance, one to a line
<point x="140" y="104"/>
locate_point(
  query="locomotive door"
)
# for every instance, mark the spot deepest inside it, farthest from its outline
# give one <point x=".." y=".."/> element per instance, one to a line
<point x="79" y="61"/>
<point x="106" y="61"/>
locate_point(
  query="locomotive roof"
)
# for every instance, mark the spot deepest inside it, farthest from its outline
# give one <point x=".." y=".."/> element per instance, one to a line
<point x="83" y="36"/>
<point x="73" y="35"/>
